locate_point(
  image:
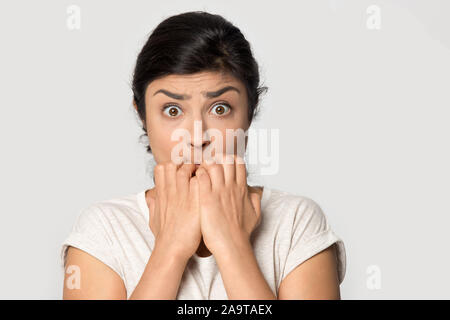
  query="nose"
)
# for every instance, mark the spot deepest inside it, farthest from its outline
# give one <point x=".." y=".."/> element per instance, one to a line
<point x="200" y="145"/>
<point x="199" y="139"/>
<point x="197" y="148"/>
<point x="198" y="133"/>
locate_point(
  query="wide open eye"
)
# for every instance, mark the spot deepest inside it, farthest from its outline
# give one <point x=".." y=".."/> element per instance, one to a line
<point x="172" y="111"/>
<point x="221" y="109"/>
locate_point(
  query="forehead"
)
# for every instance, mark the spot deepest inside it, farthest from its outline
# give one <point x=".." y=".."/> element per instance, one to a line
<point x="193" y="82"/>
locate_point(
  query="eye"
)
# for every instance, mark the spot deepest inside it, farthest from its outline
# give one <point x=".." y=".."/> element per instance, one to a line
<point x="221" y="108"/>
<point x="171" y="110"/>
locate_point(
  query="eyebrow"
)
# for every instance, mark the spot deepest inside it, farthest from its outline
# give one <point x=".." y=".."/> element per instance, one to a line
<point x="210" y="94"/>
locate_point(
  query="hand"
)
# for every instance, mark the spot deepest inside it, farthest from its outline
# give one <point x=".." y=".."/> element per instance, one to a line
<point x="175" y="218"/>
<point x="228" y="211"/>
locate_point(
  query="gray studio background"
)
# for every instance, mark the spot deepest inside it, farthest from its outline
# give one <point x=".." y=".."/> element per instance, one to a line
<point x="363" y="116"/>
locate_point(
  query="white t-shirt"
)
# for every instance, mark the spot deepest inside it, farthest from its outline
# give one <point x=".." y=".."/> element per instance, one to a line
<point x="293" y="228"/>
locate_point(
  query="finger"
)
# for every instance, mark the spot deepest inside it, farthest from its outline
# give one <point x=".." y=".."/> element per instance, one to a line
<point x="160" y="188"/>
<point x="204" y="181"/>
<point x="194" y="191"/>
<point x="152" y="208"/>
<point x="151" y="211"/>
<point x="170" y="175"/>
<point x="216" y="175"/>
<point x="241" y="171"/>
<point x="154" y="221"/>
<point x="229" y="169"/>
<point x="215" y="168"/>
<point x="158" y="172"/>
<point x="184" y="174"/>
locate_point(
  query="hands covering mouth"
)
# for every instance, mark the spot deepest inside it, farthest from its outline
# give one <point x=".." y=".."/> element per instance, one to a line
<point x="210" y="200"/>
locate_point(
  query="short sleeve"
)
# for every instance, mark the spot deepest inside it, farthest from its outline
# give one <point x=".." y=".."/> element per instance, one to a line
<point x="311" y="234"/>
<point x="90" y="234"/>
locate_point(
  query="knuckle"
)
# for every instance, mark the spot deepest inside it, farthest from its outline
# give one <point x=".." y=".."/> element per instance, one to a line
<point x="194" y="182"/>
<point x="183" y="173"/>
<point x="159" y="168"/>
<point x="242" y="189"/>
<point x="171" y="166"/>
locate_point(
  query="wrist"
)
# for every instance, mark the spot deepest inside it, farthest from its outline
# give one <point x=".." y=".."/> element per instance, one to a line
<point x="170" y="251"/>
<point x="238" y="245"/>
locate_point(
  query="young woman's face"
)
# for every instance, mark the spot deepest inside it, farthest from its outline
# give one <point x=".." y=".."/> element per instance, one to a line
<point x="178" y="101"/>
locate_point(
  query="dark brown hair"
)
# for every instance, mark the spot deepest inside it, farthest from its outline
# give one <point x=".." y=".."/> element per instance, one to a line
<point x="194" y="42"/>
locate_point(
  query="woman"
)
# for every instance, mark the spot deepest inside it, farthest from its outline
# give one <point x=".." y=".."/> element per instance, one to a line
<point x="201" y="232"/>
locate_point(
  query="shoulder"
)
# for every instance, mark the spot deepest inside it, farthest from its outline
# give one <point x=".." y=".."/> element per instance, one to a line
<point x="105" y="213"/>
<point x="297" y="212"/>
<point x="300" y="221"/>
<point x="290" y="202"/>
<point x="100" y="227"/>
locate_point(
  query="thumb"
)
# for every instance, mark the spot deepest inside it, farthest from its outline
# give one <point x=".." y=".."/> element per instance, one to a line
<point x="152" y="217"/>
<point x="152" y="208"/>
<point x="255" y="199"/>
<point x="194" y="191"/>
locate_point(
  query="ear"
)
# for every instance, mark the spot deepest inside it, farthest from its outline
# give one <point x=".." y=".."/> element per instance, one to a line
<point x="136" y="108"/>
